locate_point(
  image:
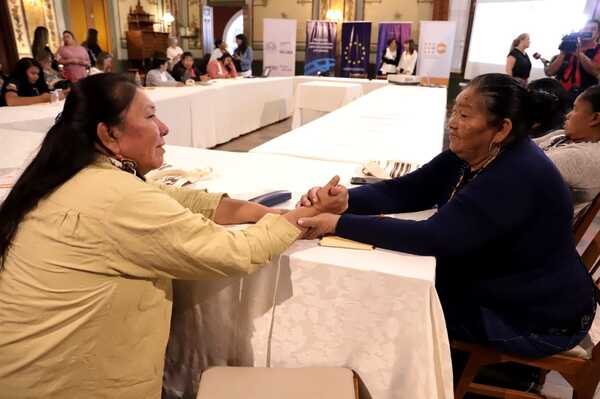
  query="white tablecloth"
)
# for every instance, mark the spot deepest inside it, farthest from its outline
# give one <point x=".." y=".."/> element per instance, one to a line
<point x="376" y="312"/>
<point x="198" y="116"/>
<point x="393" y="123"/>
<point x="201" y="116"/>
<point x="17" y="148"/>
<point x="368" y="85"/>
<point x="315" y="99"/>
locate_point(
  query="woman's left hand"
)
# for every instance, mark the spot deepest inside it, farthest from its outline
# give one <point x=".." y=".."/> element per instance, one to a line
<point x="319" y="225"/>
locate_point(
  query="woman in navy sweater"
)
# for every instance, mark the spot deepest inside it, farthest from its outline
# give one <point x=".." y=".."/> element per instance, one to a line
<point x="508" y="273"/>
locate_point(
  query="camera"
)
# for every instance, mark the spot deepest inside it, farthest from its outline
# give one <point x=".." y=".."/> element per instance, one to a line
<point x="569" y="42"/>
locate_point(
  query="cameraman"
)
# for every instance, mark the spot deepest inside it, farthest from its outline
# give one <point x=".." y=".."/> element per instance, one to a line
<point x="578" y="69"/>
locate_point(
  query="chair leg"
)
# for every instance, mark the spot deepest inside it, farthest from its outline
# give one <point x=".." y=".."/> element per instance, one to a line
<point x="468" y="375"/>
<point x="585" y="387"/>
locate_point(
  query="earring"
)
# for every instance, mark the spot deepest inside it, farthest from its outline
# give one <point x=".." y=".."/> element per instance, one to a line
<point x="494" y="149"/>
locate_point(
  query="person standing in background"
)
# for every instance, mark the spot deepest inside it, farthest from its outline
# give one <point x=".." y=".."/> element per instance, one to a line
<point x="174" y="53"/>
<point x="219" y="51"/>
<point x="74" y="58"/>
<point x="91" y="45"/>
<point x="39" y="47"/>
<point x="577" y="69"/>
<point x="243" y="55"/>
<point x="408" y="60"/>
<point x="391" y="58"/>
<point x="518" y="64"/>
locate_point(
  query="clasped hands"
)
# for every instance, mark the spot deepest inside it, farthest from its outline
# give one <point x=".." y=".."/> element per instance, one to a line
<point x="330" y="201"/>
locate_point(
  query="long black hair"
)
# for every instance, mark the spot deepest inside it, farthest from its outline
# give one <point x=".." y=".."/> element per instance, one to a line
<point x="507" y="98"/>
<point x="91" y="41"/>
<point x="557" y="109"/>
<point x="241" y="49"/>
<point x="20" y="74"/>
<point x="39" y="47"/>
<point x="69" y="146"/>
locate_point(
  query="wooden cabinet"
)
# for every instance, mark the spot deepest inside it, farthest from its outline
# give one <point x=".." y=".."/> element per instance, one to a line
<point x="143" y="44"/>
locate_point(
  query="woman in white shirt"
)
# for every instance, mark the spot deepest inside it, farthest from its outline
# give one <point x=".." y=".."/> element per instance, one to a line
<point x="408" y="60"/>
<point x="159" y="76"/>
<point x="389" y="61"/>
<point x="219" y="51"/>
<point x="173" y="52"/>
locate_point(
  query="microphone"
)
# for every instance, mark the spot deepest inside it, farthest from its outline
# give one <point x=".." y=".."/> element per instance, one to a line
<point x="538" y="56"/>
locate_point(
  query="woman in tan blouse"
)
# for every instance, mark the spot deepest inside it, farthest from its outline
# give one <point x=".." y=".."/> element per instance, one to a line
<point x="88" y="250"/>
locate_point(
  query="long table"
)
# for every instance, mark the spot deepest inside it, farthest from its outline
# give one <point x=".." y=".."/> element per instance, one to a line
<point x="393" y="123"/>
<point x="376" y="312"/>
<point x="200" y="116"/>
<point x="197" y="116"/>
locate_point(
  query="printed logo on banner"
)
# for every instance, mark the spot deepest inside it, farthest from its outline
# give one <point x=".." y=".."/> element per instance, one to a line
<point x="319" y="56"/>
<point x="356" y="39"/>
<point x="271" y="46"/>
<point x="285" y="48"/>
<point x="434" y="49"/>
<point x="359" y="49"/>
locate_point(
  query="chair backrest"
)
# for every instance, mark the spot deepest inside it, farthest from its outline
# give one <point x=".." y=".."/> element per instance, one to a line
<point x="585" y="219"/>
<point x="591" y="256"/>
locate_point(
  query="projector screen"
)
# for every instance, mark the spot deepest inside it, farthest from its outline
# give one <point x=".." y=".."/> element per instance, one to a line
<point x="498" y="22"/>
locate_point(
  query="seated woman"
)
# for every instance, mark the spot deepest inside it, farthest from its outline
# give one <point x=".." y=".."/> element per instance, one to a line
<point x="159" y="76"/>
<point x="89" y="249"/>
<point x="51" y="76"/>
<point x="557" y="109"/>
<point x="576" y="150"/>
<point x="103" y="64"/>
<point x="26" y="85"/>
<point x="223" y="68"/>
<point x="508" y="274"/>
<point x="185" y="69"/>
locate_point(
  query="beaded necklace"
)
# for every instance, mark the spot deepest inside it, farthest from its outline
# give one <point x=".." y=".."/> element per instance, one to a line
<point x="458" y="185"/>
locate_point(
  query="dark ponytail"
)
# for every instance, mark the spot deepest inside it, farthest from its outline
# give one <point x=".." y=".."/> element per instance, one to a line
<point x="69" y="146"/>
<point x="550" y="105"/>
<point x="507" y="98"/>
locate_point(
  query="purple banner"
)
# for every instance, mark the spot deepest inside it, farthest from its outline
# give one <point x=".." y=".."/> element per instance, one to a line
<point x="387" y="30"/>
<point x="319" y="58"/>
<point x="356" y="43"/>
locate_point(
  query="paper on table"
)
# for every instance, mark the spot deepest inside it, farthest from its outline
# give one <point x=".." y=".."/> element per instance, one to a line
<point x="339" y="242"/>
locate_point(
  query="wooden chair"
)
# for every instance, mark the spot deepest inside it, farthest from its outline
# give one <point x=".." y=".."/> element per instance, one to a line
<point x="275" y="383"/>
<point x="583" y="221"/>
<point x="581" y="372"/>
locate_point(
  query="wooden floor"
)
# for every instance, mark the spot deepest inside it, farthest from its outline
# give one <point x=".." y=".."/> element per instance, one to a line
<point x="248" y="141"/>
<point x="555" y="388"/>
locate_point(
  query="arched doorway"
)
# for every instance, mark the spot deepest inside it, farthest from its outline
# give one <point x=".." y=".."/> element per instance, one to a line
<point x="234" y="27"/>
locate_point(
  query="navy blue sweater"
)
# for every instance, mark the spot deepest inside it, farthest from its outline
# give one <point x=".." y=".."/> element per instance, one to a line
<point x="503" y="243"/>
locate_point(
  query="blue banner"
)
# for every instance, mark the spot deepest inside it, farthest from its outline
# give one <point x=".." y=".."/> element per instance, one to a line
<point x="356" y="43"/>
<point x="319" y="58"/>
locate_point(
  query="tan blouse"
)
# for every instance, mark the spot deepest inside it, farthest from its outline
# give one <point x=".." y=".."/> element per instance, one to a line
<point x="85" y="297"/>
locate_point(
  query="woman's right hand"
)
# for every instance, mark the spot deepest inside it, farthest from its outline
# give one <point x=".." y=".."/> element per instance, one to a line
<point x="331" y="198"/>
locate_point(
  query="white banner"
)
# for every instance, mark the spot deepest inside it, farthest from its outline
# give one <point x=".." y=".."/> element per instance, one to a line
<point x="279" y="46"/>
<point x="436" y="46"/>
